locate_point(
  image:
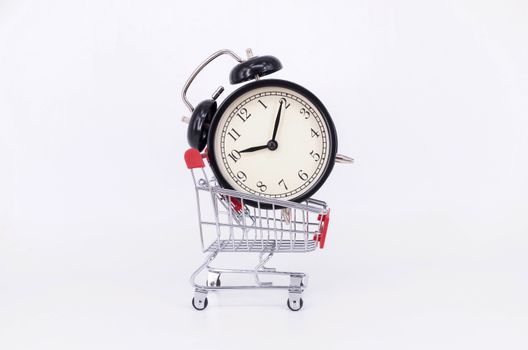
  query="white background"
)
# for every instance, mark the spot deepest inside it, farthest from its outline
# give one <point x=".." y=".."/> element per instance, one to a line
<point x="428" y="240"/>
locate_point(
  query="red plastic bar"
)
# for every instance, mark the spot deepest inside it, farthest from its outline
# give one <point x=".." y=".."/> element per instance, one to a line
<point x="194" y="159"/>
<point x="325" y="219"/>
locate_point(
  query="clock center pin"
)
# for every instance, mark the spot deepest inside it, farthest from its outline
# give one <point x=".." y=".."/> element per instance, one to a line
<point x="273" y="145"/>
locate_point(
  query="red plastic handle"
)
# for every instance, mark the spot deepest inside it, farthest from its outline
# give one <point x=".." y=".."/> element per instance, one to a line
<point x="236" y="204"/>
<point x="194" y="159"/>
<point x="325" y="220"/>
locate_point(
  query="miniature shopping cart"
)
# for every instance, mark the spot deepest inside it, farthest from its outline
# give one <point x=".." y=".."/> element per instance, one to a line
<point x="240" y="222"/>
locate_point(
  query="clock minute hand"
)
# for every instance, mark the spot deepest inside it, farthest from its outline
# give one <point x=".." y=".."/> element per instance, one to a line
<point x="277" y="120"/>
<point x="253" y="149"/>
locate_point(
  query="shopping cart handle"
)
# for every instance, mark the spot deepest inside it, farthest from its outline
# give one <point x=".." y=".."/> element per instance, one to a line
<point x="325" y="220"/>
<point x="194" y="159"/>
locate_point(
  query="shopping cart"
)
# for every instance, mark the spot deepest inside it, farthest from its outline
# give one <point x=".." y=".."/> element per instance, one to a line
<point x="240" y="222"/>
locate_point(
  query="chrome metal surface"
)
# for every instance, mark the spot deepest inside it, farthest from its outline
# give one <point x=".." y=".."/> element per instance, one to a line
<point x="249" y="53"/>
<point x="198" y="69"/>
<point x="341" y="158"/>
<point x="217" y="92"/>
<point x="228" y="224"/>
<point x="242" y="245"/>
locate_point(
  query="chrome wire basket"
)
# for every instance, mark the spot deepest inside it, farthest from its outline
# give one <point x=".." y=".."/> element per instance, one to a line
<point x="233" y="221"/>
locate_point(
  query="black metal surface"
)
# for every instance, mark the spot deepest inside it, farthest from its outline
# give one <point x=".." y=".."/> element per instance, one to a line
<point x="255" y="66"/>
<point x="274" y="83"/>
<point x="199" y="124"/>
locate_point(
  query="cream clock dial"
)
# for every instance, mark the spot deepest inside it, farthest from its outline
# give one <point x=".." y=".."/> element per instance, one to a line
<point x="272" y="138"/>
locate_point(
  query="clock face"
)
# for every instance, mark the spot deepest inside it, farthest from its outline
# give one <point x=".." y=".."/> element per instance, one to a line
<point x="272" y="138"/>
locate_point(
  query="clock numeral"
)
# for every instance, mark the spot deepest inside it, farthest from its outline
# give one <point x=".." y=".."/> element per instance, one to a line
<point x="315" y="156"/>
<point x="262" y="187"/>
<point x="262" y="103"/>
<point x="243" y="114"/>
<point x="302" y="175"/>
<point x="234" y="134"/>
<point x="235" y="155"/>
<point x="284" y="103"/>
<point x="242" y="176"/>
<point x="305" y="113"/>
<point x="314" y="133"/>
<point x="284" y="184"/>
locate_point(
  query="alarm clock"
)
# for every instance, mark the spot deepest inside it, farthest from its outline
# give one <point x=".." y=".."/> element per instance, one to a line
<point x="270" y="137"/>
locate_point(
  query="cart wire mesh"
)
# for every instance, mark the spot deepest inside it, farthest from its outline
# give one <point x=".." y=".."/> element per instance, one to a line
<point x="232" y="221"/>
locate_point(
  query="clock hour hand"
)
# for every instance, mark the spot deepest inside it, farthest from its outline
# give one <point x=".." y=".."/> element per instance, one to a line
<point x="277" y="120"/>
<point x="253" y="149"/>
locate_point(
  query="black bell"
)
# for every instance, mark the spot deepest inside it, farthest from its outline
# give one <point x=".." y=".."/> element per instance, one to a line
<point x="254" y="66"/>
<point x="199" y="124"/>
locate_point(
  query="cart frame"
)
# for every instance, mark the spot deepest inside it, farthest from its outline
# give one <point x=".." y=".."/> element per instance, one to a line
<point x="237" y="222"/>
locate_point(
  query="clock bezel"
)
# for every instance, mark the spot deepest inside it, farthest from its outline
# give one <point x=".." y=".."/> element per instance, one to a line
<point x="325" y="116"/>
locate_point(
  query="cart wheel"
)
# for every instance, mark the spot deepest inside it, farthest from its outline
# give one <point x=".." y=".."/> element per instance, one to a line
<point x="200" y="306"/>
<point x="295" y="307"/>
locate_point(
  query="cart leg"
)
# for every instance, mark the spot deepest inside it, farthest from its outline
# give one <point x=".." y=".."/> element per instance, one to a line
<point x="260" y="267"/>
<point x="295" y="302"/>
<point x="200" y="299"/>
<point x="205" y="264"/>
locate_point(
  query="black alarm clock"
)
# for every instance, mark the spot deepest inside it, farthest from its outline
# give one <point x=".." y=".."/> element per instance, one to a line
<point x="270" y="137"/>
